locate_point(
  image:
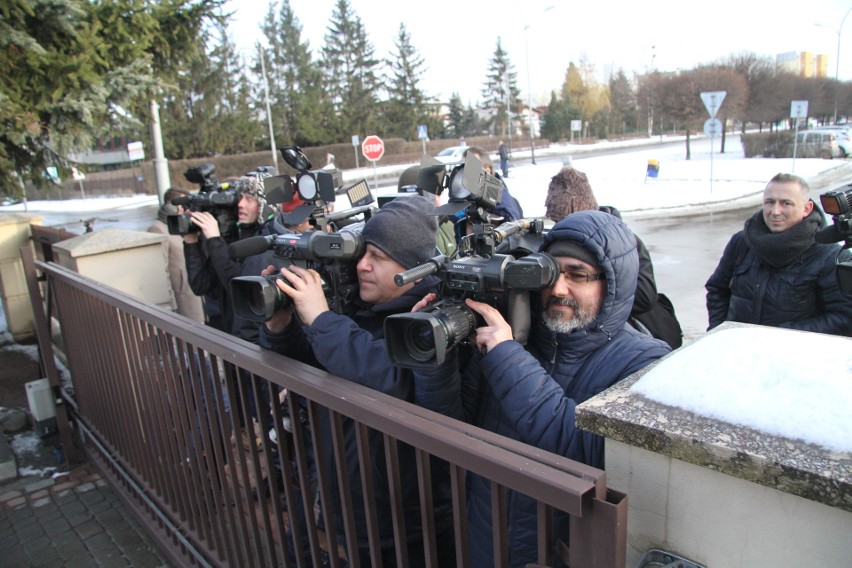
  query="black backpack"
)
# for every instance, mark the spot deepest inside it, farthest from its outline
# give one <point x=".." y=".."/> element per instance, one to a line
<point x="660" y="322"/>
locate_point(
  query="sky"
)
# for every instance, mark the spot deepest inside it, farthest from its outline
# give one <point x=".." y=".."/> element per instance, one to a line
<point x="458" y="39"/>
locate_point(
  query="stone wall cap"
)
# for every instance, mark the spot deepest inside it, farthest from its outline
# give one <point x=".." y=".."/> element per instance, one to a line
<point x="108" y="240"/>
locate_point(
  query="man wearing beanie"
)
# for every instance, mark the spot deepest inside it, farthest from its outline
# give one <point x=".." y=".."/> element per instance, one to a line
<point x="581" y="345"/>
<point x="399" y="236"/>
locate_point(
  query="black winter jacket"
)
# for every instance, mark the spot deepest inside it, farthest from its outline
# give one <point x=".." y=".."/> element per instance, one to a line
<point x="802" y="295"/>
<point x="210" y="270"/>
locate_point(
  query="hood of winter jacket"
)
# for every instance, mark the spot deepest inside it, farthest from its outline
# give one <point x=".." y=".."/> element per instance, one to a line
<point x="614" y="246"/>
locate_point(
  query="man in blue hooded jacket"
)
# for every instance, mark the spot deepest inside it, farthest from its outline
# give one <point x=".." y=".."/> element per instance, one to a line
<point x="581" y="345"/>
<point x="398" y="237"/>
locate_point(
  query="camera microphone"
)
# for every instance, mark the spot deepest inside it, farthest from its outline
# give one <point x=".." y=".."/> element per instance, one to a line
<point x="249" y="247"/>
<point x="830" y="234"/>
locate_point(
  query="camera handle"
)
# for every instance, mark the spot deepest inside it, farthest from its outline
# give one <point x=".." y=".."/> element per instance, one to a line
<point x="518" y="314"/>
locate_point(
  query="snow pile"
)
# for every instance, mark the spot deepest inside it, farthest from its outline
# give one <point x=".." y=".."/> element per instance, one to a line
<point x="787" y="383"/>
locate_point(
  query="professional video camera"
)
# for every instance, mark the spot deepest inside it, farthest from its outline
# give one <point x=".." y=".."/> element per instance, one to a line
<point x="333" y="255"/>
<point x="213" y="197"/>
<point x="422" y="339"/>
<point x="470" y="188"/>
<point x="205" y="176"/>
<point x="316" y="191"/>
<point x="838" y="204"/>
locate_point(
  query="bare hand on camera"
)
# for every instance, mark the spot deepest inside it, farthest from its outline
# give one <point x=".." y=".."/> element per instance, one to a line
<point x="206" y="222"/>
<point x="495" y="331"/>
<point x="427" y="299"/>
<point x="306" y="292"/>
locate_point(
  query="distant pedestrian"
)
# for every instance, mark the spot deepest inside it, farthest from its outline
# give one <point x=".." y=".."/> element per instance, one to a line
<point x="773" y="273"/>
<point x="504" y="158"/>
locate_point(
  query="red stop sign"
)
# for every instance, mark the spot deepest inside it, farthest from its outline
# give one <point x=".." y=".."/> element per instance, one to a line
<point x="373" y="148"/>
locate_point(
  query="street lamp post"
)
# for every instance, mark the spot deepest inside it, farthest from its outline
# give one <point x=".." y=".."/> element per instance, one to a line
<point x="837" y="60"/>
<point x="529" y="93"/>
<point x="529" y="86"/>
<point x="268" y="106"/>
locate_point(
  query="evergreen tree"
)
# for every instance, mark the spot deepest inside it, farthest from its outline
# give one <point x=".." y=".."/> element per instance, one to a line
<point x="211" y="111"/>
<point x="500" y="92"/>
<point x="236" y="125"/>
<point x="456" y="117"/>
<point x="301" y="110"/>
<point x="350" y="69"/>
<point x="624" y="110"/>
<point x="406" y="107"/>
<point x="75" y="71"/>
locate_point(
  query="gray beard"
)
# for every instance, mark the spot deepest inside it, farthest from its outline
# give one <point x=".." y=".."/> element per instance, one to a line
<point x="558" y="323"/>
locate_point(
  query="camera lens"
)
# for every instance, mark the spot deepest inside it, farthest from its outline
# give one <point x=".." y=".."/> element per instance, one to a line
<point x="256" y="300"/>
<point x="257" y="297"/>
<point x="419" y="339"/>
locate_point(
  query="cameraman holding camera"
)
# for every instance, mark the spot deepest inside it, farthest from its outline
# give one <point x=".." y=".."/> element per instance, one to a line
<point x="579" y="345"/>
<point x="399" y="236"/>
<point x="209" y="267"/>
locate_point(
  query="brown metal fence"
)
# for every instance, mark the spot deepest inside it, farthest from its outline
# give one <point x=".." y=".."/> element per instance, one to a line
<point x="160" y="403"/>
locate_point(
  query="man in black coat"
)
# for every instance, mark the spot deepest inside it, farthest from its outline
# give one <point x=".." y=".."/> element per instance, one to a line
<point x="773" y="273"/>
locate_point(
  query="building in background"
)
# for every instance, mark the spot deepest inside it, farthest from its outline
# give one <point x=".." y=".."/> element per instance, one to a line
<point x="803" y="63"/>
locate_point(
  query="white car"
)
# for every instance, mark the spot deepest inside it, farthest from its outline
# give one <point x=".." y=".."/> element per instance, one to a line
<point x="452" y="155"/>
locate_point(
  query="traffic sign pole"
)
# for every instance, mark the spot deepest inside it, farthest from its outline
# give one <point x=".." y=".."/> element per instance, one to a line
<point x="798" y="109"/>
<point x="373" y="149"/>
<point x="712" y="101"/>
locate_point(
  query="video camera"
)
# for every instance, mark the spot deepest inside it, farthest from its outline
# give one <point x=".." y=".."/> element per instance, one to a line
<point x="333" y="255"/>
<point x="470" y="188"/>
<point x="422" y="339"/>
<point x="315" y="191"/>
<point x="838" y="204"/>
<point x="213" y="197"/>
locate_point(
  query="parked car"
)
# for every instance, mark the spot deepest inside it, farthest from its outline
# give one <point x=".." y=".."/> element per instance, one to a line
<point x="451" y="155"/>
<point x="818" y="143"/>
<point x="841" y="132"/>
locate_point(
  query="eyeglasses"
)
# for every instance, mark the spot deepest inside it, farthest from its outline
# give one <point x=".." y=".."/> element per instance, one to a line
<point x="578" y="277"/>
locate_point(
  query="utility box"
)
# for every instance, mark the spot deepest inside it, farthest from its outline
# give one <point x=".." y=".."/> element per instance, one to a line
<point x="14" y="234"/>
<point x="42" y="406"/>
<point x="131" y="261"/>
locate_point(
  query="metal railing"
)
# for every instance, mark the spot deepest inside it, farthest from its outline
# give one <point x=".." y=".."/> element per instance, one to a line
<point x="163" y="405"/>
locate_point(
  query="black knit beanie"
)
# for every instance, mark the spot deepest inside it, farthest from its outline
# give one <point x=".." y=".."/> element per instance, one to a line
<point x="405" y="229"/>
<point x="569" y="191"/>
<point x="574" y="250"/>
